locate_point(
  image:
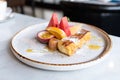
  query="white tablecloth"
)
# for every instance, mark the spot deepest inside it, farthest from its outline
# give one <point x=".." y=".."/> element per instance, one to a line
<point x="12" y="69"/>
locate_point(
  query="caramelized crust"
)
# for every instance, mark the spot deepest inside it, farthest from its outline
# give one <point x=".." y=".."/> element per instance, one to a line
<point x="67" y="42"/>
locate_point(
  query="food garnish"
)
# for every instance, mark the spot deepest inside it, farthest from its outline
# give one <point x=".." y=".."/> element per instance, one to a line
<point x="64" y="26"/>
<point x="44" y="36"/>
<point x="63" y="37"/>
<point x="52" y="45"/>
<point x="53" y="21"/>
<point x="57" y="32"/>
<point x="75" y="28"/>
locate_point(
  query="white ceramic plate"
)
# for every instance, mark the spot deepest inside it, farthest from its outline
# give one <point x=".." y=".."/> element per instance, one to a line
<point x="44" y="59"/>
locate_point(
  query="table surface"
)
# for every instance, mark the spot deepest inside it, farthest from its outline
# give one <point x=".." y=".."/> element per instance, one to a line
<point x="12" y="69"/>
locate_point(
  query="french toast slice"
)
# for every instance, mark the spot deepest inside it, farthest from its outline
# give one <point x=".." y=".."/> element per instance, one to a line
<point x="69" y="45"/>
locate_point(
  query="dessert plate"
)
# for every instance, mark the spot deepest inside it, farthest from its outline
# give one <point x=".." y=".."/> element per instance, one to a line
<point x="31" y="52"/>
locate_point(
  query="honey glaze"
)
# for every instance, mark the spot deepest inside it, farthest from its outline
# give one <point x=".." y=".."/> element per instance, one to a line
<point x="35" y="51"/>
<point x="45" y="50"/>
<point x="29" y="50"/>
<point x="94" y="47"/>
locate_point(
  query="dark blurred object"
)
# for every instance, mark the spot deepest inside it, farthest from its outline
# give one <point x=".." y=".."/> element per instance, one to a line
<point x="117" y="1"/>
<point x="32" y="4"/>
<point x="15" y="4"/>
<point x="45" y="5"/>
<point x="19" y="4"/>
<point x="106" y="16"/>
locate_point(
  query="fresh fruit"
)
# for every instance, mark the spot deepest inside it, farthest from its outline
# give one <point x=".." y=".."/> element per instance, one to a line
<point x="74" y="29"/>
<point x="53" y="21"/>
<point x="53" y="44"/>
<point x="44" y="36"/>
<point x="57" y="32"/>
<point x="64" y="26"/>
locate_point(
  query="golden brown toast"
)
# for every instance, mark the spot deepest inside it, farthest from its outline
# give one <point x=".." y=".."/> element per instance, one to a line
<point x="70" y="44"/>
